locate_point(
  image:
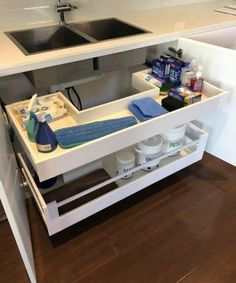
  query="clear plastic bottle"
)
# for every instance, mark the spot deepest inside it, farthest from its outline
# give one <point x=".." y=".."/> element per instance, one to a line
<point x="188" y="73"/>
<point x="196" y="83"/>
<point x="193" y="66"/>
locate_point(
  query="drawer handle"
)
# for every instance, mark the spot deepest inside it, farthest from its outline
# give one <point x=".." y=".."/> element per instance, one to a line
<point x="31" y="185"/>
<point x="34" y="193"/>
<point x="23" y="183"/>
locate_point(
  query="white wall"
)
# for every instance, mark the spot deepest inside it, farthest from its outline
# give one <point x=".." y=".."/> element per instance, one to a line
<point x="15" y="12"/>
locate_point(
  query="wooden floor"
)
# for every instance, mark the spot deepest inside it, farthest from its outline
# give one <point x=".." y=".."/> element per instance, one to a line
<point x="182" y="229"/>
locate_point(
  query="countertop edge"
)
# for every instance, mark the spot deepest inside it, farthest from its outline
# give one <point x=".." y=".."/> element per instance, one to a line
<point x="74" y="54"/>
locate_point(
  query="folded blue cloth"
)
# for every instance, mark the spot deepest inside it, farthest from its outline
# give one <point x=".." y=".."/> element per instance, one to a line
<point x="146" y="108"/>
<point x="73" y="136"/>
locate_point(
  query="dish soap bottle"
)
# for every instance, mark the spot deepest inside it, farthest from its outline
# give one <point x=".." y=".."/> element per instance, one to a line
<point x="45" y="138"/>
<point x="32" y="126"/>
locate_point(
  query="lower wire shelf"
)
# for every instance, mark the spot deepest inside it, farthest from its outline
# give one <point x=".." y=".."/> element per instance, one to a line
<point x="83" y="197"/>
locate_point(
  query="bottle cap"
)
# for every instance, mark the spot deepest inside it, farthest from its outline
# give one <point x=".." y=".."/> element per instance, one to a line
<point x="199" y="72"/>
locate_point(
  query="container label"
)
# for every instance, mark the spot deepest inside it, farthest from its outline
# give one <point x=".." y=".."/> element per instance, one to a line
<point x="125" y="170"/>
<point x="153" y="157"/>
<point x="170" y="146"/>
<point x="44" y="147"/>
<point x="176" y="144"/>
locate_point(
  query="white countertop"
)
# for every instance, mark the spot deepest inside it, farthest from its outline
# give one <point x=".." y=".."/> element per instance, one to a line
<point x="166" y="24"/>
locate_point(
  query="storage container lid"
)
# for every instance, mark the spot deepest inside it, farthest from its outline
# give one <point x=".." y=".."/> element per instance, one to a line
<point x="178" y="129"/>
<point x="152" y="145"/>
<point x="125" y="157"/>
<point x="174" y="134"/>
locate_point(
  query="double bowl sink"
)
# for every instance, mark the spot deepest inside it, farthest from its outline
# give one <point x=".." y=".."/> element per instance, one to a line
<point x="50" y="38"/>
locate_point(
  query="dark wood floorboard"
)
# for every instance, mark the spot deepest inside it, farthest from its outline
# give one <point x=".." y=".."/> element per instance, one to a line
<point x="11" y="265"/>
<point x="181" y="229"/>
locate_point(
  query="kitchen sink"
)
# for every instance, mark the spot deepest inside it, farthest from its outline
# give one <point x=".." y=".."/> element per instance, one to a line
<point x="108" y="29"/>
<point x="50" y="38"/>
<point x="46" y="38"/>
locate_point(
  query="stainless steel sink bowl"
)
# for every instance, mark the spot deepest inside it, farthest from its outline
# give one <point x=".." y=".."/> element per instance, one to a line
<point x="108" y="29"/>
<point x="50" y="38"/>
<point x="46" y="39"/>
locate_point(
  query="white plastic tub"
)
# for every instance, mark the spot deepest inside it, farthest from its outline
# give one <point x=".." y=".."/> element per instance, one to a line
<point x="149" y="150"/>
<point x="125" y="163"/>
<point x="173" y="138"/>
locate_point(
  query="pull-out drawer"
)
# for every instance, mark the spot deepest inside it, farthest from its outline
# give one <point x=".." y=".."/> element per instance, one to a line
<point x="64" y="160"/>
<point x="73" y="202"/>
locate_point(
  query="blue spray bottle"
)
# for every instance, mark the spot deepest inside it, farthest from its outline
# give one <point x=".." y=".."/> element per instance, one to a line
<point x="45" y="138"/>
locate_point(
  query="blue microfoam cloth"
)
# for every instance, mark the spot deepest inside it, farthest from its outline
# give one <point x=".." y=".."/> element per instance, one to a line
<point x="146" y="108"/>
<point x="73" y="136"/>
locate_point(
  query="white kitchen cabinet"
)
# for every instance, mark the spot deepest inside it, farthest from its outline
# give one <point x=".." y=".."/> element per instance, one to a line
<point x="103" y="149"/>
<point x="216" y="51"/>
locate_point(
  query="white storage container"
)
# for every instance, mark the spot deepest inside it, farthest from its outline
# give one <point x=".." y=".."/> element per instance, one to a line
<point x="149" y="151"/>
<point x="173" y="139"/>
<point x="125" y="163"/>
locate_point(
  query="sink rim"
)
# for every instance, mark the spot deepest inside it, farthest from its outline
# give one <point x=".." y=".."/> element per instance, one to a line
<point x="68" y="27"/>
